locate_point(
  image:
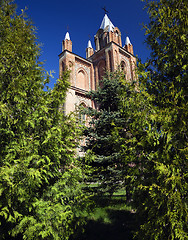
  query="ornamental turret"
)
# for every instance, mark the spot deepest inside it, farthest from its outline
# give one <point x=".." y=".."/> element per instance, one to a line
<point x="89" y="50"/>
<point x="128" y="46"/>
<point x="67" y="43"/>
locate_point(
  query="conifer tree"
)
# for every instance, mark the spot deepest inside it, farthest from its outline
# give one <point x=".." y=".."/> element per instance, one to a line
<point x="153" y="152"/>
<point x="40" y="194"/>
<point x="106" y="124"/>
<point x="158" y="149"/>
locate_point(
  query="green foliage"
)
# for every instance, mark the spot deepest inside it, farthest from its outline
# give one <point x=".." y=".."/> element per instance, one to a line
<point x="106" y="133"/>
<point x="140" y="132"/>
<point x="157" y="150"/>
<point x="40" y="190"/>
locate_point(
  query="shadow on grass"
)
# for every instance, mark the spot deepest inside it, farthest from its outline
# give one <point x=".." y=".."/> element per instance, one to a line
<point x="121" y="227"/>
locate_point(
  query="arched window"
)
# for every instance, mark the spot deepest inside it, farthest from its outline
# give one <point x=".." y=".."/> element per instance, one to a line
<point x="117" y="35"/>
<point x="81" y="80"/>
<point x="116" y="59"/>
<point x="110" y="60"/>
<point x="123" y="66"/>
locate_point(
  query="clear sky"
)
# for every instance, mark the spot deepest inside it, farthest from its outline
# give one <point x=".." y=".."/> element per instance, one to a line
<point x="83" y="18"/>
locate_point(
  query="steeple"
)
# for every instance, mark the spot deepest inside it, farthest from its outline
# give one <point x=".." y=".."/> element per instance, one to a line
<point x="107" y="33"/>
<point x="67" y="36"/>
<point x="127" y="41"/>
<point x="89" y="44"/>
<point x="89" y="50"/>
<point x="67" y="43"/>
<point x="106" y="22"/>
<point x="128" y="46"/>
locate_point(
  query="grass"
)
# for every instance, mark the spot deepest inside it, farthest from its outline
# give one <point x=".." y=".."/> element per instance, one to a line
<point x="112" y="219"/>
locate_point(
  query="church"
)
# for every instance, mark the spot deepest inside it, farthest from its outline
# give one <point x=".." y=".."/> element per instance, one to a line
<point x="108" y="55"/>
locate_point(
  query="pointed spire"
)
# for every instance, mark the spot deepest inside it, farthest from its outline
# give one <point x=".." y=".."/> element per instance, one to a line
<point x="89" y="50"/>
<point x="127" y="41"/>
<point x="106" y="22"/>
<point x="89" y="44"/>
<point x="128" y="46"/>
<point x="67" y="43"/>
<point x="67" y="36"/>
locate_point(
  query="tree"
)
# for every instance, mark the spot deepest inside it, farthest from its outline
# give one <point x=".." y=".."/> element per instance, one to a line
<point x="104" y="149"/>
<point x="40" y="190"/>
<point x="159" y="150"/>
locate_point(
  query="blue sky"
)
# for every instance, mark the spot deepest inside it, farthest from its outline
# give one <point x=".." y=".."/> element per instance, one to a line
<point x="83" y="18"/>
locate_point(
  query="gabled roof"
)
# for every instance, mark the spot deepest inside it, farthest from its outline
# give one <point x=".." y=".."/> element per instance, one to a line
<point x="106" y="22"/>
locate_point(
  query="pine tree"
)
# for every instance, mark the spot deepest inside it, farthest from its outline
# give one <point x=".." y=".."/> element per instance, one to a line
<point x="107" y="132"/>
<point x="40" y="190"/>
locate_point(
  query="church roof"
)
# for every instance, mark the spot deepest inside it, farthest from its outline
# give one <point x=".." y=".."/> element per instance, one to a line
<point x="67" y="36"/>
<point x="89" y="44"/>
<point x="127" y="41"/>
<point x="106" y="22"/>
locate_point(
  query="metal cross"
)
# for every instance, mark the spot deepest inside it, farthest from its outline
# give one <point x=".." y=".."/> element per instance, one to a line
<point x="104" y="8"/>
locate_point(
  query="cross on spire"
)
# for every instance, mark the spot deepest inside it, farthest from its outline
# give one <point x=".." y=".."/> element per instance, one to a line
<point x="104" y="8"/>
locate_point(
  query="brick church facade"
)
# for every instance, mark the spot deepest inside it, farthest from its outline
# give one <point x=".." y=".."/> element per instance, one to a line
<point x="109" y="55"/>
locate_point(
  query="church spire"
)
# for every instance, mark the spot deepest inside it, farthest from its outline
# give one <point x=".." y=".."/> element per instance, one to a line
<point x="127" y="41"/>
<point x="107" y="33"/>
<point x="67" y="36"/>
<point x="89" y="50"/>
<point x="106" y="22"/>
<point x="67" y="43"/>
<point x="89" y="44"/>
<point x="128" y="46"/>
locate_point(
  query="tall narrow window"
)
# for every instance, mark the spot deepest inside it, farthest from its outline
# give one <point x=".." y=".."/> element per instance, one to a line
<point x="82" y="80"/>
<point x="110" y="60"/>
<point x="123" y="66"/>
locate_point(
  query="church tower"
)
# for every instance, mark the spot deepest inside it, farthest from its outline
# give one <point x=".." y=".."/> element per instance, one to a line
<point x="109" y="55"/>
